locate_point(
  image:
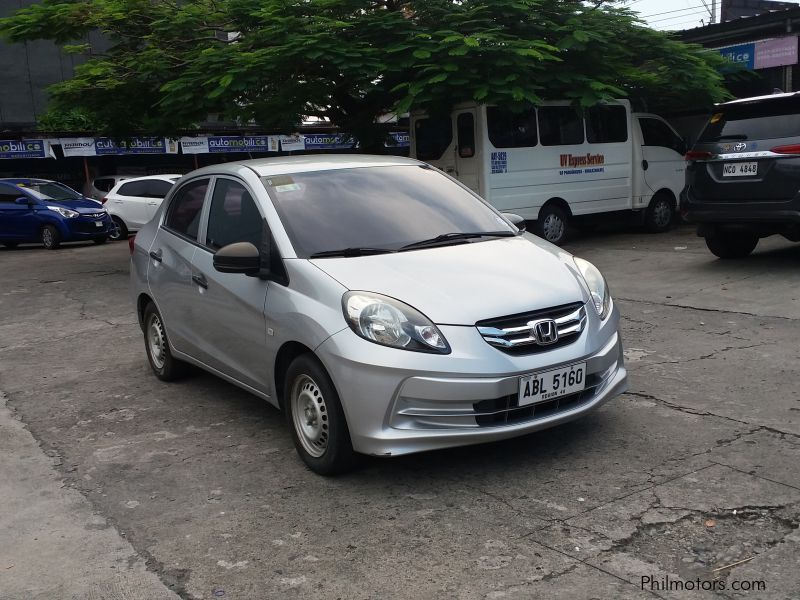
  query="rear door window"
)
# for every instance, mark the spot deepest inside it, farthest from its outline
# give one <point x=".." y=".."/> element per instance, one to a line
<point x="157" y="188"/>
<point x="134" y="188"/>
<point x="183" y="214"/>
<point x="560" y="126"/>
<point x="770" y="119"/>
<point x="433" y="135"/>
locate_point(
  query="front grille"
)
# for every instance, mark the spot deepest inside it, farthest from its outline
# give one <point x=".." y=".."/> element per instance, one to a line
<point x="506" y="410"/>
<point x="87" y="226"/>
<point x="513" y="334"/>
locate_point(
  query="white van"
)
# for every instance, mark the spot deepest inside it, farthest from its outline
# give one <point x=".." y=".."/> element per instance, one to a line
<point x="552" y="163"/>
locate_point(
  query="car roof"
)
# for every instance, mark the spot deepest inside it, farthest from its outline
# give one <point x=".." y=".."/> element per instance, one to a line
<point x="266" y="167"/>
<point x="759" y="99"/>
<point x="25" y="180"/>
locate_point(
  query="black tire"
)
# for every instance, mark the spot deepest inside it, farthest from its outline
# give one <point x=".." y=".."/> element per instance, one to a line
<point x="320" y="433"/>
<point x="10" y="245"/>
<point x="552" y="224"/>
<point x="732" y="244"/>
<point x="121" y="231"/>
<point x="99" y="241"/>
<point x="165" y="366"/>
<point x="51" y="238"/>
<point x="660" y="213"/>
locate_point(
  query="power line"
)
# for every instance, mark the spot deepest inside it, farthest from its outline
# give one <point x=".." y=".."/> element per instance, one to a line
<point x="693" y="21"/>
<point x="673" y="11"/>
<point x="699" y="12"/>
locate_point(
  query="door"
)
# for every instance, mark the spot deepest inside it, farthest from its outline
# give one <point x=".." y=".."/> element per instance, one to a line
<point x="157" y="190"/>
<point x="17" y="221"/>
<point x="467" y="161"/>
<point x="229" y="305"/>
<point x="663" y="164"/>
<point x="170" y="269"/>
<point x="130" y="203"/>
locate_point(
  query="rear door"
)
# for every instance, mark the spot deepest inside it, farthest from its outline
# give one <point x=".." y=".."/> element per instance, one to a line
<point x="749" y="151"/>
<point x="17" y="221"/>
<point x="130" y="202"/>
<point x="662" y="156"/>
<point x="169" y="272"/>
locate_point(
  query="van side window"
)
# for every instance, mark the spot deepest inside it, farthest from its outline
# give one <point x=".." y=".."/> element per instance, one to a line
<point x="606" y="124"/>
<point x="560" y="126"/>
<point x="511" y="130"/>
<point x="466" y="135"/>
<point x="183" y="214"/>
<point x="433" y="135"/>
<point x="658" y="133"/>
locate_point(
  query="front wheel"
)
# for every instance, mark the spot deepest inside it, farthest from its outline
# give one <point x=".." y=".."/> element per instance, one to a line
<point x="731" y="244"/>
<point x="51" y="238"/>
<point x="316" y="418"/>
<point x="552" y="224"/>
<point x="659" y="214"/>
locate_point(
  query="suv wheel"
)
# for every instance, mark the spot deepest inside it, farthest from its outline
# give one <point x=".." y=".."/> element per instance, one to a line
<point x="164" y="365"/>
<point x="659" y="214"/>
<point x="731" y="244"/>
<point x="316" y="419"/>
<point x="552" y="224"/>
<point x="51" y="239"/>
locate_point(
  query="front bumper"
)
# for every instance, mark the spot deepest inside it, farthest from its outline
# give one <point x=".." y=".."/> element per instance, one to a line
<point x="399" y="402"/>
<point x="85" y="227"/>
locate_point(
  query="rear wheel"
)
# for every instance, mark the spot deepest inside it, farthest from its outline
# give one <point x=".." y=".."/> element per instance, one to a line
<point x="120" y="232"/>
<point x="51" y="238"/>
<point x="552" y="224"/>
<point x="165" y="366"/>
<point x="316" y="418"/>
<point x="659" y="214"/>
<point x="731" y="244"/>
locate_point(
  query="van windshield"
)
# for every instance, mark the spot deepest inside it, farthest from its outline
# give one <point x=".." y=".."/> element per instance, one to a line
<point x="377" y="208"/>
<point x="769" y="119"/>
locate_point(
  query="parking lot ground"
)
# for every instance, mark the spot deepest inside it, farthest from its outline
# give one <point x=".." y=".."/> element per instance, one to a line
<point x="116" y="485"/>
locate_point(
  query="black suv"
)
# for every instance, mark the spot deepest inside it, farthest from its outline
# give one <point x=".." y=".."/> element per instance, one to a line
<point x="743" y="174"/>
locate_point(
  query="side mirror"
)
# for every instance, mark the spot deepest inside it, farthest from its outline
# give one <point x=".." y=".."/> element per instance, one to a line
<point x="24" y="200"/>
<point x="516" y="220"/>
<point x="241" y="257"/>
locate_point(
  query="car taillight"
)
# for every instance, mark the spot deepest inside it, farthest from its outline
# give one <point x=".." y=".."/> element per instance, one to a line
<point x="789" y="149"/>
<point x="697" y="155"/>
<point x="131" y="240"/>
<point x="104" y="200"/>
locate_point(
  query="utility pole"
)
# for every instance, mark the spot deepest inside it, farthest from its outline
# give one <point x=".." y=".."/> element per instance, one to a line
<point x="713" y="11"/>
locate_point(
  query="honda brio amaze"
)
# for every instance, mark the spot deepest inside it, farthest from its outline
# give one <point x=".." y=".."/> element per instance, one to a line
<point x="381" y="304"/>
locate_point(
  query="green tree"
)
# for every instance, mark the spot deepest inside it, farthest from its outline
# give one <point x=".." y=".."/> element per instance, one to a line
<point x="171" y="63"/>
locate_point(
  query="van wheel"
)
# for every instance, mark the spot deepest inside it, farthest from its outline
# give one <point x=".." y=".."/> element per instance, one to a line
<point x="659" y="214"/>
<point x="552" y="224"/>
<point x="165" y="366"/>
<point x="51" y="239"/>
<point x="731" y="244"/>
<point x="120" y="232"/>
<point x="316" y="418"/>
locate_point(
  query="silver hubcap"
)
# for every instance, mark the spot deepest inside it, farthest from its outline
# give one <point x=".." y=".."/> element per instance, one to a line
<point x="47" y="237"/>
<point x="661" y="213"/>
<point x="116" y="232"/>
<point x="310" y="415"/>
<point x="553" y="228"/>
<point x="156" y="341"/>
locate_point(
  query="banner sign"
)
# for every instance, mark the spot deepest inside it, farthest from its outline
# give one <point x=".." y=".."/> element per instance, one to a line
<point x="293" y="142"/>
<point x="329" y="141"/>
<point x="402" y="139"/>
<point x="763" y="54"/>
<point x="107" y="146"/>
<point x="24" y="149"/>
<point x="229" y="143"/>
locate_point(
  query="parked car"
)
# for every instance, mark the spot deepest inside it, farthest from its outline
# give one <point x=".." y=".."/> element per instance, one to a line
<point x="133" y="202"/>
<point x="38" y="210"/>
<point x="743" y="174"/>
<point x="100" y="186"/>
<point x="380" y="303"/>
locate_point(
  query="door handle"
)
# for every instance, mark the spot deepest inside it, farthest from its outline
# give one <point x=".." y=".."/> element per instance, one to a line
<point x="156" y="255"/>
<point x="200" y="280"/>
<point x="645" y="165"/>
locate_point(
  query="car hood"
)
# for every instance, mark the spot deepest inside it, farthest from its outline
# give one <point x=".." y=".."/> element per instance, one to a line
<point x="83" y="206"/>
<point x="466" y="283"/>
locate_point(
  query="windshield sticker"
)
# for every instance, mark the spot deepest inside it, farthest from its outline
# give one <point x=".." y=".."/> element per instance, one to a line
<point x="499" y="162"/>
<point x="279" y="180"/>
<point x="287" y="187"/>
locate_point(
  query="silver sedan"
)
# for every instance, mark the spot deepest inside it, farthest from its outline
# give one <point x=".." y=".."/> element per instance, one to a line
<point x="383" y="306"/>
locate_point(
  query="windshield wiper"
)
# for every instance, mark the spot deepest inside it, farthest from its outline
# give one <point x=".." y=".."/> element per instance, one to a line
<point x="732" y="136"/>
<point x="349" y="252"/>
<point x="453" y="237"/>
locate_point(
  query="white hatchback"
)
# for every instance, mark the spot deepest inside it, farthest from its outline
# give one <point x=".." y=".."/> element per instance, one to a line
<point x="133" y="202"/>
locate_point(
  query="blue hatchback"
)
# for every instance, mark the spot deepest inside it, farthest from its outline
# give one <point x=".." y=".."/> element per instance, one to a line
<point x="38" y="210"/>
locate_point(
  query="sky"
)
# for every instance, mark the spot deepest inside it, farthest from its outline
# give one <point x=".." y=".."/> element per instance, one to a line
<point x="673" y="14"/>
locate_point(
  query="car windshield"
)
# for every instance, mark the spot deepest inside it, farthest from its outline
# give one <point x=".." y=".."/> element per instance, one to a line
<point x="51" y="190"/>
<point x="376" y="208"/>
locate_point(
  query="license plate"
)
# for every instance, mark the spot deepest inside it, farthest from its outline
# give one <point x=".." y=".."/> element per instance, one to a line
<point x="741" y="169"/>
<point x="98" y="223"/>
<point x="541" y="387"/>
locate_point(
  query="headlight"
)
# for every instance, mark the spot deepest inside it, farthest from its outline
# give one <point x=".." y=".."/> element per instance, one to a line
<point x="598" y="288"/>
<point x="64" y="212"/>
<point x="389" y="322"/>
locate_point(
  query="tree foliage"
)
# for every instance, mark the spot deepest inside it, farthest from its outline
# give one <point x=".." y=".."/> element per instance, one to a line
<point x="171" y="63"/>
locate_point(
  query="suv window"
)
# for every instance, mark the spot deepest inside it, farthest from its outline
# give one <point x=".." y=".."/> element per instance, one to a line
<point x="158" y="188"/>
<point x="658" y="133"/>
<point x="511" y="130"/>
<point x="433" y="135"/>
<point x="606" y="124"/>
<point x="560" y="126"/>
<point x="134" y="188"/>
<point x="233" y="217"/>
<point x="183" y="214"/>
<point x="777" y="118"/>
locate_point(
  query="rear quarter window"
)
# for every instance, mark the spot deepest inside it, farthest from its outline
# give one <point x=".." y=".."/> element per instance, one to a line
<point x="770" y="119"/>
